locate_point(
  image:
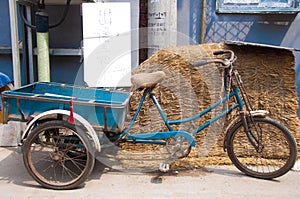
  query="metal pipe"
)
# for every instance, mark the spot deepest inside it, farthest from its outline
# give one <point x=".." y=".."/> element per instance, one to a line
<point x="30" y="46"/>
<point x="15" y="43"/>
<point x="42" y="36"/>
<point x="203" y="22"/>
<point x="43" y="56"/>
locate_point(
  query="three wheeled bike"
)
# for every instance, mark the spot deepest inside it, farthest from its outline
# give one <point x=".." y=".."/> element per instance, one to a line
<point x="67" y="126"/>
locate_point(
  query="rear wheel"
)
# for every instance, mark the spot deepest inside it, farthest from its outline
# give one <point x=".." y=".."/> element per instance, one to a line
<point x="58" y="155"/>
<point x="267" y="151"/>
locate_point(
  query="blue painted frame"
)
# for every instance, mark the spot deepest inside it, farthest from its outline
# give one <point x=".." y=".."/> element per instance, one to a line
<point x="153" y="137"/>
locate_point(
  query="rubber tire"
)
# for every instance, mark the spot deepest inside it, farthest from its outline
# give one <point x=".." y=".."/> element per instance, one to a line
<point x="83" y="137"/>
<point x="289" y="138"/>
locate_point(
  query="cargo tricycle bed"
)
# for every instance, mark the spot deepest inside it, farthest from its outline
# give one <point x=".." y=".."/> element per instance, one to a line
<point x="97" y="106"/>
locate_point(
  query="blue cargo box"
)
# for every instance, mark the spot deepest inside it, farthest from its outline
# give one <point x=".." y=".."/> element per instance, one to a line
<point x="98" y="106"/>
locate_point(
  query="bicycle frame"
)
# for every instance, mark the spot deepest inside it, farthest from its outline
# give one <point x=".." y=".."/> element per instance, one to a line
<point x="153" y="137"/>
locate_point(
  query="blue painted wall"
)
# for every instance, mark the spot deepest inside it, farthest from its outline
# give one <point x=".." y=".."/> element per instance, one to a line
<point x="68" y="35"/>
<point x="5" y="41"/>
<point x="260" y="28"/>
<point x="4" y="24"/>
<point x="274" y="29"/>
<point x="66" y="69"/>
<point x="188" y="20"/>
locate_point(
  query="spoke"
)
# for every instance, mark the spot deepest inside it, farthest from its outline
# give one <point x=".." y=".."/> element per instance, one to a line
<point x="51" y="165"/>
<point x="45" y="159"/>
<point x="55" y="143"/>
<point x="81" y="154"/>
<point x="69" y="171"/>
<point x="54" y="172"/>
<point x="65" y="171"/>
<point x="69" y="146"/>
<point x="42" y="158"/>
<point x="75" y="163"/>
<point x="62" y="173"/>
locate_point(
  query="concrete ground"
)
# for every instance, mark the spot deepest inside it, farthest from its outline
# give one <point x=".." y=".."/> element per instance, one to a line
<point x="209" y="182"/>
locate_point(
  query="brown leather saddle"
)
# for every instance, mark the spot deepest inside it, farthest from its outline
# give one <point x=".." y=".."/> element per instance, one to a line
<point x="147" y="80"/>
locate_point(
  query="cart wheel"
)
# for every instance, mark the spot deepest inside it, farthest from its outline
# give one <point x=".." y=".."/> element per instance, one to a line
<point x="58" y="155"/>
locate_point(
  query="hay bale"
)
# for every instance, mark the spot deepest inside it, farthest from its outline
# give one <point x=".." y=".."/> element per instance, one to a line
<point x="268" y="75"/>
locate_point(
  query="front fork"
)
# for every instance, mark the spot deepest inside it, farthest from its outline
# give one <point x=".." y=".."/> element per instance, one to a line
<point x="252" y="131"/>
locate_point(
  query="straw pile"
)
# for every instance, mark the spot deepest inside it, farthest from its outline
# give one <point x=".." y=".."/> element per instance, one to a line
<point x="268" y="76"/>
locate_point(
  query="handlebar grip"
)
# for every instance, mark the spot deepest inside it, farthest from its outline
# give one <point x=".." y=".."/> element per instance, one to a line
<point x="200" y="63"/>
<point x="220" y="52"/>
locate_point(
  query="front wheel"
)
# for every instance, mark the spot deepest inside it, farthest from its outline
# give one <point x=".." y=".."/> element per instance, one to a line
<point x="267" y="151"/>
<point x="58" y="155"/>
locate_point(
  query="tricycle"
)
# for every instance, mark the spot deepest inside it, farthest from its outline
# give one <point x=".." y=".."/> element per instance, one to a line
<point x="68" y="126"/>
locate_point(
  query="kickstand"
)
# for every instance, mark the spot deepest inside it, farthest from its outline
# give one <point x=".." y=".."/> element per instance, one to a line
<point x="164" y="167"/>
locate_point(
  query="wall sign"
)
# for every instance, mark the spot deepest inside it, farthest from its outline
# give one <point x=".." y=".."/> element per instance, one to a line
<point x="107" y="44"/>
<point x="162" y="23"/>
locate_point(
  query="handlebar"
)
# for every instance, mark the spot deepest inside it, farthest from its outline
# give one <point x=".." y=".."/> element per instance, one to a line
<point x="225" y="62"/>
<point x="220" y="52"/>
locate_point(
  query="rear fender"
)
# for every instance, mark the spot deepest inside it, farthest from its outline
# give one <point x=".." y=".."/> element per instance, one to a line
<point x="77" y="118"/>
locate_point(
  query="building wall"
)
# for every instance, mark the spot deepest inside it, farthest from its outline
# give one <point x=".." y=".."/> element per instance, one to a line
<point x="5" y="41"/>
<point x="261" y="28"/>
<point x="65" y="69"/>
<point x="68" y="35"/>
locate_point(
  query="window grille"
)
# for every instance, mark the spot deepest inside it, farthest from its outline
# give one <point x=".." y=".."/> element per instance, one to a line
<point x="258" y="6"/>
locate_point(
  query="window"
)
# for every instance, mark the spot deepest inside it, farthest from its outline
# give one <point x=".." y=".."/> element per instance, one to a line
<point x="258" y="6"/>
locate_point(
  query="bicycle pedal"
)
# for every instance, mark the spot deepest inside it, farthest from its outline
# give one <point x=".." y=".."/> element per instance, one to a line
<point x="164" y="167"/>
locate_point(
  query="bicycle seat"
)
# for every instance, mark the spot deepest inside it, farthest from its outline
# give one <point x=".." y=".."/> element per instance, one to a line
<point x="147" y="80"/>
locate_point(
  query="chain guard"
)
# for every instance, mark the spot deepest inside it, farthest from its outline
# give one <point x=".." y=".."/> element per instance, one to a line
<point x="178" y="147"/>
